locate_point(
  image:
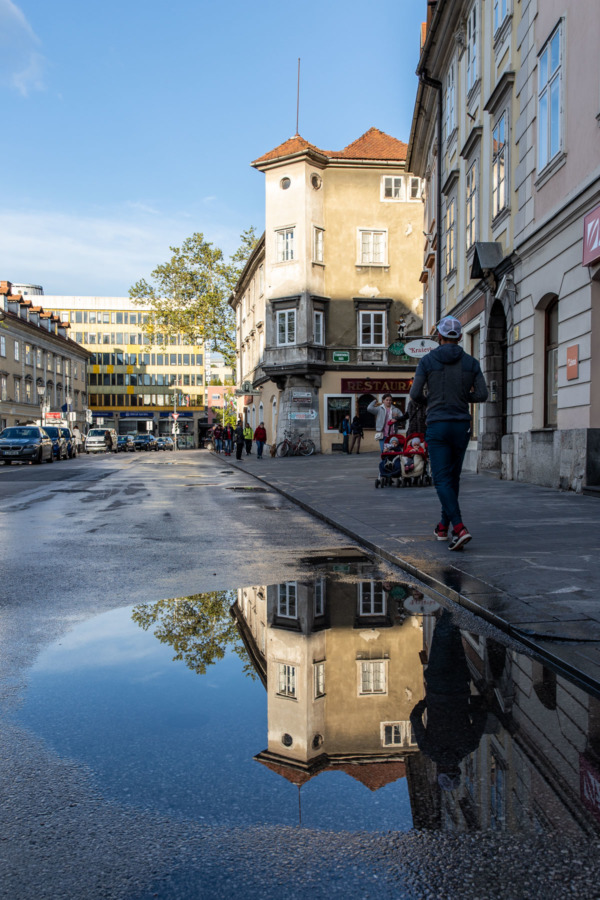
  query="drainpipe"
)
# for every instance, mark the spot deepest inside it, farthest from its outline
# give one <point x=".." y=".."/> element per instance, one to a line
<point x="437" y="86"/>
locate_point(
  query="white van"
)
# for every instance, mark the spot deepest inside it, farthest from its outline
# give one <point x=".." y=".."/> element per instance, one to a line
<point x="95" y="440"/>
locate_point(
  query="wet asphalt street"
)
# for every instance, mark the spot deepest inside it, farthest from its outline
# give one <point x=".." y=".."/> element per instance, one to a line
<point x="83" y="543"/>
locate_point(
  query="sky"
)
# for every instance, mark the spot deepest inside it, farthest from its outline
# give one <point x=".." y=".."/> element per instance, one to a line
<point x="131" y="124"/>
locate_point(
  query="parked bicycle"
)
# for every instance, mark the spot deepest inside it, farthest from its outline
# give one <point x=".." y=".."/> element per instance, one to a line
<point x="295" y="445"/>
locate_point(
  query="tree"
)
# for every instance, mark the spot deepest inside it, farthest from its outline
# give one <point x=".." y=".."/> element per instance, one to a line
<point x="199" y="628"/>
<point x="189" y="294"/>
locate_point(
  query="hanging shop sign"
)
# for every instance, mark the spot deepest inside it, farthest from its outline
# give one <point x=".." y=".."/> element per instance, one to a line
<point x="573" y="362"/>
<point x="375" y="385"/>
<point x="420" y="347"/>
<point x="591" y="237"/>
<point x="420" y="605"/>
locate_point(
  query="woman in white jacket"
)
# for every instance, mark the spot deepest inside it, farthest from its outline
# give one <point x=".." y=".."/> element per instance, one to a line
<point x="385" y="413"/>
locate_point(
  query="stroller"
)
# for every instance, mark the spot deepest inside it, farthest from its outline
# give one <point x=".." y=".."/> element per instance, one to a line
<point x="404" y="460"/>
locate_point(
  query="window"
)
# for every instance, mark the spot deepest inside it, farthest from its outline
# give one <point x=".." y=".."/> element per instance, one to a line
<point x="500" y="13"/>
<point x="261" y="280"/>
<point x="372" y="676"/>
<point x="450" y="102"/>
<point x="318" y="327"/>
<point x="3" y="387"/>
<point x="471" y="205"/>
<point x="17" y="390"/>
<point x="319" y="679"/>
<point x="371" y="329"/>
<point x="372" y="248"/>
<point x="392" y="188"/>
<point x="397" y="734"/>
<point x="28" y="354"/>
<point x="371" y="601"/>
<point x="415" y="188"/>
<point x="472" y="61"/>
<point x="16" y="351"/>
<point x="286" y="605"/>
<point x="287" y="680"/>
<point x="38" y="358"/>
<point x="499" y="166"/>
<point x="2" y="346"/>
<point x="336" y="409"/>
<point x="28" y="392"/>
<point x="318" y="245"/>
<point x="319" y="598"/>
<point x="551" y="392"/>
<point x="285" y="245"/>
<point x="549" y="113"/>
<point x="450" y="236"/>
<point x="286" y="327"/>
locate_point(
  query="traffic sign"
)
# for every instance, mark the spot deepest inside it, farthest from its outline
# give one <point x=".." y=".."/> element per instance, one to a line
<point x="175" y="415"/>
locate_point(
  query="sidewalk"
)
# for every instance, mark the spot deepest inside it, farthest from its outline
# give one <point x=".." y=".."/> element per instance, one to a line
<point x="531" y="568"/>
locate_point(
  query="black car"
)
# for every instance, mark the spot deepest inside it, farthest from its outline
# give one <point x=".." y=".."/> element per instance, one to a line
<point x="125" y="443"/>
<point x="165" y="443"/>
<point x="26" y="443"/>
<point x="59" y="443"/>
<point x="145" y="442"/>
<point x="71" y="442"/>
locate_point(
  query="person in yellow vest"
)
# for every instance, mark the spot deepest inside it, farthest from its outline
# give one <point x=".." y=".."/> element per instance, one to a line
<point x="248" y="435"/>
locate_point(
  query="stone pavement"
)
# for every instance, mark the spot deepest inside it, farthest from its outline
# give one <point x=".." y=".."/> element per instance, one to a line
<point x="531" y="568"/>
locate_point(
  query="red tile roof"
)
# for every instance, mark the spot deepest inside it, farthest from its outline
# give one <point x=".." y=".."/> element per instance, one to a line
<point x="373" y="144"/>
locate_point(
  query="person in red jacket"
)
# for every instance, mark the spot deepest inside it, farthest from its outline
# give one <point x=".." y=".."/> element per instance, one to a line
<point x="260" y="436"/>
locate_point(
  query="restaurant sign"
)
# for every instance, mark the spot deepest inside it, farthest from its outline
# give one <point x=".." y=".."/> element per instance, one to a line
<point x="591" y="237"/>
<point x="375" y="385"/>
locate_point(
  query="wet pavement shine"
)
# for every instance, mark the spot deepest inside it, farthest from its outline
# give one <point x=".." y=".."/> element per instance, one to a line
<point x="332" y="728"/>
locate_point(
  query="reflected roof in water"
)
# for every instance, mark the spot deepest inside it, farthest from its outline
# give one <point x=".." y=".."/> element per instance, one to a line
<point x="347" y="702"/>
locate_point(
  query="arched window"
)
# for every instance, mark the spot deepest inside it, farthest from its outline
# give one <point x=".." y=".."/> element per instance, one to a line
<point x="551" y="366"/>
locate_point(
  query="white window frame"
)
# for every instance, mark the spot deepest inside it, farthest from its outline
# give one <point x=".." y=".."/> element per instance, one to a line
<point x="363" y="316"/>
<point x="17" y="389"/>
<point x="2" y="345"/>
<point x="472" y="49"/>
<point x="392" y="189"/>
<point x="17" y="351"/>
<point x="261" y="280"/>
<point x="286" y="681"/>
<point x="402" y="730"/>
<point x="471" y="209"/>
<point x="318" y="327"/>
<point x="369" y="596"/>
<point x="372" y="247"/>
<point x="372" y="677"/>
<point x="319" y="679"/>
<point x="450" y="102"/>
<point x="553" y="81"/>
<point x="318" y="245"/>
<point x="287" y="316"/>
<point x="287" y="600"/>
<point x="450" y="234"/>
<point x="285" y="244"/>
<point x="499" y="167"/>
<point x="501" y="12"/>
<point x="3" y="387"/>
<point x="414" y="182"/>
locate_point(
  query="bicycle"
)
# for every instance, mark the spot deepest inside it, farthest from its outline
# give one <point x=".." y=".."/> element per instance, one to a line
<point x="295" y="446"/>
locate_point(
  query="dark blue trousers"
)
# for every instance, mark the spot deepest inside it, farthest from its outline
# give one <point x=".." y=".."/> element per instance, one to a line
<point x="447" y="444"/>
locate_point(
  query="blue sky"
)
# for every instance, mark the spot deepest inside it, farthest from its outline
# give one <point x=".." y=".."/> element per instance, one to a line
<point x="130" y="124"/>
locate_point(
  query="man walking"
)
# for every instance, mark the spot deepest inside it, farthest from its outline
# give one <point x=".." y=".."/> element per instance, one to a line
<point x="345" y="431"/>
<point x="452" y="380"/>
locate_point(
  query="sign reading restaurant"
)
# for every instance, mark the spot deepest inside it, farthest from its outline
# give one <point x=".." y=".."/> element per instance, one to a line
<point x="376" y="385"/>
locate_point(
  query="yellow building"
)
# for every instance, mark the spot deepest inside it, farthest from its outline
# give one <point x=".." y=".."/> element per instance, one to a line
<point x="332" y="288"/>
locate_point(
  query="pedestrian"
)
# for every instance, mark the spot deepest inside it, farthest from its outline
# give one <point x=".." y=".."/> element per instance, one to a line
<point x="227" y="439"/>
<point x="260" y="437"/>
<point x="78" y="438"/>
<point x="218" y="438"/>
<point x="248" y="434"/>
<point x="239" y="439"/>
<point x="345" y="431"/>
<point x="107" y="442"/>
<point x="448" y="380"/>
<point x="386" y="416"/>
<point x="357" y="433"/>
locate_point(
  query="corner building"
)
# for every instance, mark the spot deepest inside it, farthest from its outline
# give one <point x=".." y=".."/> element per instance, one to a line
<point x="331" y="291"/>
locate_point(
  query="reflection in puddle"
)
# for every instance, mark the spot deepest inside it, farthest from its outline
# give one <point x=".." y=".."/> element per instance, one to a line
<point x="380" y="712"/>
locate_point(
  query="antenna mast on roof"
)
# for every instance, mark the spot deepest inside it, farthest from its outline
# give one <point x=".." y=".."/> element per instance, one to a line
<point x="298" y="98"/>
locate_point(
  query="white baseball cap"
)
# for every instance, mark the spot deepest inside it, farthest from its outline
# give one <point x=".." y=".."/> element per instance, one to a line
<point x="449" y="327"/>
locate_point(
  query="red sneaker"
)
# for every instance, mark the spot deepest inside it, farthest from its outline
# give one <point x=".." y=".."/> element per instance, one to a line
<point x="441" y="532"/>
<point x="459" y="538"/>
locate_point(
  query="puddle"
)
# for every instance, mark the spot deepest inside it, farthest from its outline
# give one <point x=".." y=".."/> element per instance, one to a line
<point x="343" y="703"/>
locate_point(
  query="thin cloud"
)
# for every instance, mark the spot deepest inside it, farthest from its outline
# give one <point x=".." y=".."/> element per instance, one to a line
<point x="21" y="63"/>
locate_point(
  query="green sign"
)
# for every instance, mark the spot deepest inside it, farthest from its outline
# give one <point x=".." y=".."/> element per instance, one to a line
<point x="397" y="349"/>
<point x="341" y="356"/>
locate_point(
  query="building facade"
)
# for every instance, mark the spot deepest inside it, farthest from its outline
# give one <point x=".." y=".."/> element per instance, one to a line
<point x="505" y="135"/>
<point x="42" y="370"/>
<point x="135" y="382"/>
<point x="332" y="289"/>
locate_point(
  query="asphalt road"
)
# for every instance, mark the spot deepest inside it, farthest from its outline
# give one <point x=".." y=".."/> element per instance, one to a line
<point x="85" y="537"/>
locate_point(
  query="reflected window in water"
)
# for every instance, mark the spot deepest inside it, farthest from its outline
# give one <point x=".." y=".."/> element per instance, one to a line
<point x="373" y="676"/>
<point x="287" y="600"/>
<point x="287" y="681"/>
<point x="319" y="669"/>
<point x="371" y="599"/>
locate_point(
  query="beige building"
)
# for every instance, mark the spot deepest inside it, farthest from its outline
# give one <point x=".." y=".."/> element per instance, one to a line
<point x="505" y="135"/>
<point x="42" y="370"/>
<point x="332" y="288"/>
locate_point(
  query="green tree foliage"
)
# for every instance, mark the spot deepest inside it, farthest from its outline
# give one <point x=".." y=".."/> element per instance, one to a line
<point x="188" y="295"/>
<point x="199" y="628"/>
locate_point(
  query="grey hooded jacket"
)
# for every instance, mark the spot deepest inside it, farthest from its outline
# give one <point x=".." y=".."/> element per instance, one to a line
<point x="454" y="380"/>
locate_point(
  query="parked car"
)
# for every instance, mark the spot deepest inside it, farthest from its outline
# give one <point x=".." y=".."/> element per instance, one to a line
<point x="59" y="443"/>
<point x="165" y="443"/>
<point x="125" y="443"/>
<point x="145" y="442"/>
<point x="101" y="440"/>
<point x="69" y="437"/>
<point x="25" y="442"/>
